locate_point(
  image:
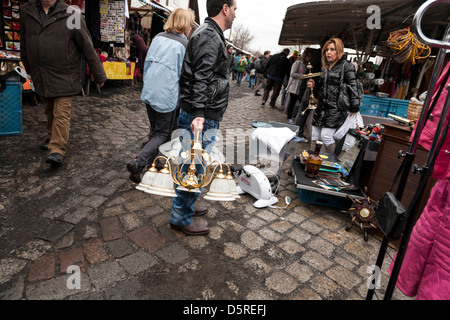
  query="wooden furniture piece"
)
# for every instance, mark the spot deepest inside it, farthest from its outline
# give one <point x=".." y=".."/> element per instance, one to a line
<point x="396" y="137"/>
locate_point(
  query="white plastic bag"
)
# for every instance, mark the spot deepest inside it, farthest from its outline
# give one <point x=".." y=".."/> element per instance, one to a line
<point x="352" y="122"/>
<point x="25" y="75"/>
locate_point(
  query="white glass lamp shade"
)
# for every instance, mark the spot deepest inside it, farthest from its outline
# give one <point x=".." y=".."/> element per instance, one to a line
<point x="220" y="189"/>
<point x="147" y="180"/>
<point x="162" y="184"/>
<point x="232" y="186"/>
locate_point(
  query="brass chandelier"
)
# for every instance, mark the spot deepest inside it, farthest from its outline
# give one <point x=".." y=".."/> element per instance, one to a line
<point x="182" y="171"/>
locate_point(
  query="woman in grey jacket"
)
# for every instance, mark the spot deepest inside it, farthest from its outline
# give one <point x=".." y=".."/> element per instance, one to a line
<point x="293" y="87"/>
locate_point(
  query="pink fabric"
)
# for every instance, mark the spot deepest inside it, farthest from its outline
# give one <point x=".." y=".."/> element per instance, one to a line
<point x="425" y="270"/>
<point x="442" y="165"/>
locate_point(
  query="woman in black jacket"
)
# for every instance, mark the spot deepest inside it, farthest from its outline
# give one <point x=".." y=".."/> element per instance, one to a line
<point x="328" y="117"/>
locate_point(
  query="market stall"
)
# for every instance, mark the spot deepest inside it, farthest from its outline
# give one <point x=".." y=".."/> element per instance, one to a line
<point x="395" y="77"/>
<point x="398" y="65"/>
<point x="107" y="23"/>
<point x="390" y="79"/>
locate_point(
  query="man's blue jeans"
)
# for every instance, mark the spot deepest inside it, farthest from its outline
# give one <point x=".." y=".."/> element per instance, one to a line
<point x="183" y="204"/>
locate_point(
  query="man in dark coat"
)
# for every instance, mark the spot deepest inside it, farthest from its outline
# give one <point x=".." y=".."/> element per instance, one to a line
<point x="260" y="64"/>
<point x="52" y="41"/>
<point x="230" y="60"/>
<point x="278" y="66"/>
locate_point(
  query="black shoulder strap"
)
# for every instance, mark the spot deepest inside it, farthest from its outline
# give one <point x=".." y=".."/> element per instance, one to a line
<point x="342" y="72"/>
<point x="175" y="37"/>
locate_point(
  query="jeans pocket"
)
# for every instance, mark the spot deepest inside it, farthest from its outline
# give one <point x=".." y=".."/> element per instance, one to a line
<point x="184" y="120"/>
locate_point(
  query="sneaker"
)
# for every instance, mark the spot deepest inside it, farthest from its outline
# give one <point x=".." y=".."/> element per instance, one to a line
<point x="135" y="171"/>
<point x="300" y="139"/>
<point x="289" y="121"/>
<point x="263" y="103"/>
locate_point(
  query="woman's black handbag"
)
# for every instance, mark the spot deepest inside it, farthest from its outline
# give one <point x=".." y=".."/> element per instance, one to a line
<point x="391" y="215"/>
<point x="343" y="102"/>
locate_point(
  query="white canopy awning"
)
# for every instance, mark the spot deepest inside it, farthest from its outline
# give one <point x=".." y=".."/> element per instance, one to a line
<point x="154" y="5"/>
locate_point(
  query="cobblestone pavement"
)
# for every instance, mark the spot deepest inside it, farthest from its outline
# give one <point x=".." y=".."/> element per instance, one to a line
<point x="87" y="213"/>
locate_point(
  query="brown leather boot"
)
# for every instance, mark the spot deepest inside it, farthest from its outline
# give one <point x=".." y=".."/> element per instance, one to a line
<point x="194" y="229"/>
<point x="200" y="211"/>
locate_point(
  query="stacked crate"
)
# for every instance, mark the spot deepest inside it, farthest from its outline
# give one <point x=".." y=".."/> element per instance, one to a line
<point x="11" y="109"/>
<point x="381" y="107"/>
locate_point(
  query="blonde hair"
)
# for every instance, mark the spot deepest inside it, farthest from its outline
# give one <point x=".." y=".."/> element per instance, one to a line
<point x="179" y="21"/>
<point x="339" y="45"/>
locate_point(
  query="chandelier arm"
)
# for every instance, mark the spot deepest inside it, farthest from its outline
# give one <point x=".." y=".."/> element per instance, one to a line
<point x="209" y="177"/>
<point x="169" y="166"/>
<point x="177" y="178"/>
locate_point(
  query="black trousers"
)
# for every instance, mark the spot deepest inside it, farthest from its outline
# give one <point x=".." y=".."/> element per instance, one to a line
<point x="160" y="132"/>
<point x="276" y="86"/>
<point x="290" y="107"/>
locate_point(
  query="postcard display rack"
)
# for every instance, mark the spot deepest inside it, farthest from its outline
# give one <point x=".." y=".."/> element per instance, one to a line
<point x="10" y="26"/>
<point x="112" y="22"/>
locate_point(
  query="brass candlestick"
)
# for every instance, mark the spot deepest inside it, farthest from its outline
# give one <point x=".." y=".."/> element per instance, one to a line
<point x="312" y="105"/>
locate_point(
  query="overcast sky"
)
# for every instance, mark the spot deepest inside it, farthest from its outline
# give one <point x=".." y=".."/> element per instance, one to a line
<point x="263" y="18"/>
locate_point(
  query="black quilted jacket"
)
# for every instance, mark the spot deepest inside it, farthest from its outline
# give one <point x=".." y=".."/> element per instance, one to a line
<point x="328" y="114"/>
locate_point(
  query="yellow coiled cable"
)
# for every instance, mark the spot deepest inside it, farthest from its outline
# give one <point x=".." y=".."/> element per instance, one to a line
<point x="406" y="47"/>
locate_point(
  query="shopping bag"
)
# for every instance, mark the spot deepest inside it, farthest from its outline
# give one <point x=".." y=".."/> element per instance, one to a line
<point x="28" y="84"/>
<point x="351" y="122"/>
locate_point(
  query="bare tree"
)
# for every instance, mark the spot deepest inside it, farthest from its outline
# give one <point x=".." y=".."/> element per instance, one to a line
<point x="241" y="36"/>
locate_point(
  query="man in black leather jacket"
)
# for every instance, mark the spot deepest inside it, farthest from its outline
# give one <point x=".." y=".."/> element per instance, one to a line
<point x="203" y="99"/>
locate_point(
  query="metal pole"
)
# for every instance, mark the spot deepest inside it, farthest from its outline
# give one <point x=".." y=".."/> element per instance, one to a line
<point x="410" y="155"/>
